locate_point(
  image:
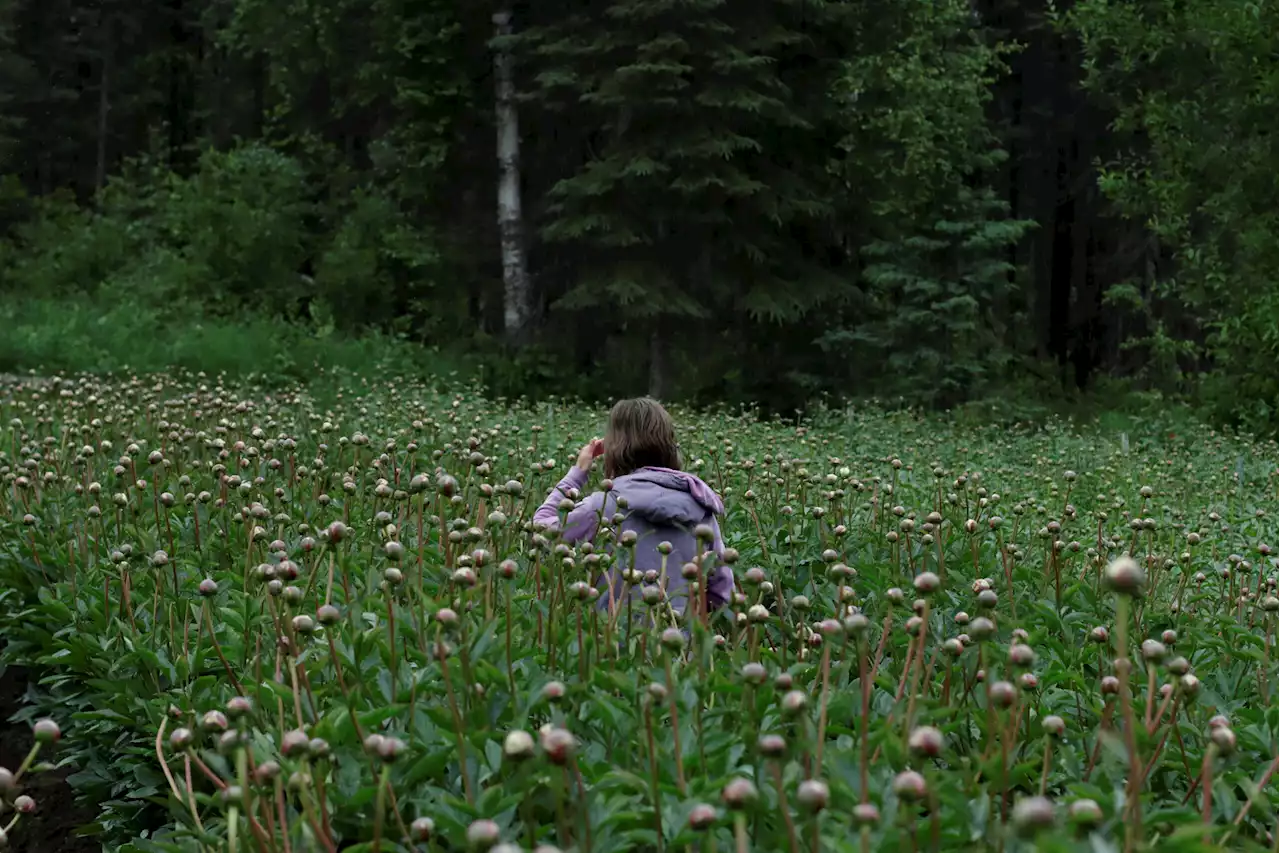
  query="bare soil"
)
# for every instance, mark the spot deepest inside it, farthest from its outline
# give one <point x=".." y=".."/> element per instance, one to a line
<point x="51" y="829"/>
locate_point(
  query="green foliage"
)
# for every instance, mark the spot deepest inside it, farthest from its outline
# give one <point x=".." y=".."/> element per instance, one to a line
<point x="809" y="200"/>
<point x="82" y="334"/>
<point x="231" y="241"/>
<point x="932" y="324"/>
<point x="170" y="542"/>
<point x="1193" y="90"/>
<point x="938" y="287"/>
<point x="375" y="265"/>
<point x="684" y="204"/>
<point x="229" y="238"/>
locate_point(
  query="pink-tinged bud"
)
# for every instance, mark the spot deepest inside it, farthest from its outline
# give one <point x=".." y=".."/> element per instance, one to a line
<point x="228" y="741"/>
<point x="813" y="795"/>
<point x="482" y="835"/>
<point x="1224" y="739"/>
<point x="295" y="744"/>
<point x="422" y="829"/>
<point x="1032" y="815"/>
<point x="1125" y="577"/>
<point x="266" y="772"/>
<point x="46" y="731"/>
<point x="701" y="817"/>
<point x="1021" y="655"/>
<point x="558" y="744"/>
<point x="866" y="814"/>
<point x="1053" y="725"/>
<point x="1085" y="813"/>
<point x="553" y="691"/>
<point x="982" y="628"/>
<point x="772" y="746"/>
<point x="24" y="804"/>
<point x="1003" y="694"/>
<point x="739" y="794"/>
<point x="794" y="702"/>
<point x="1153" y="651"/>
<point x="518" y="745"/>
<point x="373" y="744"/>
<point x="925" y="741"/>
<point x="336" y="532"/>
<point x="910" y="785"/>
<point x="238" y="706"/>
<point x="180" y="740"/>
<point x="926" y="583"/>
<point x="390" y="749"/>
<point x="208" y="587"/>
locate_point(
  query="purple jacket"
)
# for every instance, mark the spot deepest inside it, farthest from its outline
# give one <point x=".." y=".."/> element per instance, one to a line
<point x="662" y="506"/>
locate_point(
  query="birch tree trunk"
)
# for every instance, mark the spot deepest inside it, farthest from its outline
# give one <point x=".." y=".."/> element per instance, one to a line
<point x="517" y="295"/>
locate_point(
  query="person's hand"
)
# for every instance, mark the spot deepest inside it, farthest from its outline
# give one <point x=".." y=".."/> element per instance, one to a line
<point x="589" y="452"/>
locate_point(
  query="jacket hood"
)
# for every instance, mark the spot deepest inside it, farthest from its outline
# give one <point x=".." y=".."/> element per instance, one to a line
<point x="666" y="496"/>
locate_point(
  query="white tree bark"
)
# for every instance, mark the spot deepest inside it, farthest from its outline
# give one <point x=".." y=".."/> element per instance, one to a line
<point x="517" y="290"/>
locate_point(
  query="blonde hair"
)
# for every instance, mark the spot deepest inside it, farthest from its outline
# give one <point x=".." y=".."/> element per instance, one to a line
<point x="640" y="434"/>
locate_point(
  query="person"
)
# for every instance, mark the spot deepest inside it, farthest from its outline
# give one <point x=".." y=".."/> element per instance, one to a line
<point x="662" y="504"/>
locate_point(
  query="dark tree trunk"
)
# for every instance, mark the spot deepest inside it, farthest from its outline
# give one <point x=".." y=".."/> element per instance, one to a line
<point x="179" y="106"/>
<point x="104" y="105"/>
<point x="259" y="94"/>
<point x="659" y="365"/>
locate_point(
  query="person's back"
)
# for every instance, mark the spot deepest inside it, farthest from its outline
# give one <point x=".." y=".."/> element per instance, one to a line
<point x="667" y="506"/>
<point x="656" y="501"/>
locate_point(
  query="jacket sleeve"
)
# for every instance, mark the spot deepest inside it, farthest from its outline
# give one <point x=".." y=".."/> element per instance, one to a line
<point x="720" y="586"/>
<point x="583" y="518"/>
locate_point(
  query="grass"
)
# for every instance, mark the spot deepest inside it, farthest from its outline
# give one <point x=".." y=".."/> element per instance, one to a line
<point x="83" y="335"/>
<point x="275" y="617"/>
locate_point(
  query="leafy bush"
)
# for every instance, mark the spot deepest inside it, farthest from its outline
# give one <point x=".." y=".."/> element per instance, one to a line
<point x="235" y="239"/>
<point x="231" y="237"/>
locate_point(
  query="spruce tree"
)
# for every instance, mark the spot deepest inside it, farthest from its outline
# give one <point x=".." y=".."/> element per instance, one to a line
<point x="696" y="174"/>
